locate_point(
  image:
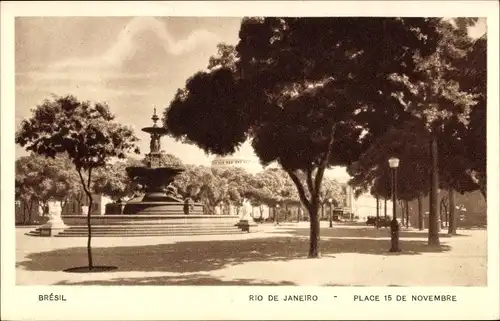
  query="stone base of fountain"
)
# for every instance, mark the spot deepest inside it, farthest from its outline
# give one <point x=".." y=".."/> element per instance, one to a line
<point x="151" y="225"/>
<point x="158" y="204"/>
<point x="158" y="212"/>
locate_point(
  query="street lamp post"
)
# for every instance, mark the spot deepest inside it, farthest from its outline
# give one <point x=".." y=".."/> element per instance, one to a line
<point x="393" y="164"/>
<point x="330" y="201"/>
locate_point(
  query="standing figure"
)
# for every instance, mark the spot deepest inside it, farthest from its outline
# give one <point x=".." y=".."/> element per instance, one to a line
<point x="154" y="145"/>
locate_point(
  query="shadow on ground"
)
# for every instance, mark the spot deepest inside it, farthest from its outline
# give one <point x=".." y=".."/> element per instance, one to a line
<point x="192" y="279"/>
<point x="361" y="232"/>
<point x="184" y="257"/>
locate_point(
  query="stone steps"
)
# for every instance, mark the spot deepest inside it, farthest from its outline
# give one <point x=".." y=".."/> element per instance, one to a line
<point x="149" y="233"/>
<point x="152" y="229"/>
<point x="146" y="230"/>
<point x="152" y="226"/>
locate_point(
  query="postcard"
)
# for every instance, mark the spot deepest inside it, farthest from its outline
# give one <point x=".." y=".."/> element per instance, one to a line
<point x="259" y="160"/>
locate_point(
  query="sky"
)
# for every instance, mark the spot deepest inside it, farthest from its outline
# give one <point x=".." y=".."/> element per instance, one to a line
<point x="131" y="63"/>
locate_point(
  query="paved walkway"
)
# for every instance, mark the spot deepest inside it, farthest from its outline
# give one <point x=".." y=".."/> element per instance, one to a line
<point x="351" y="255"/>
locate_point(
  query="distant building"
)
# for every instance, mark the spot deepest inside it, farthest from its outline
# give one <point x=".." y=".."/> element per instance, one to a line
<point x="244" y="158"/>
<point x="366" y="205"/>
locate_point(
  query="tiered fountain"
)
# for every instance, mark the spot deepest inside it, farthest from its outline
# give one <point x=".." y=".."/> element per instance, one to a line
<point x="155" y="179"/>
<point x="158" y="210"/>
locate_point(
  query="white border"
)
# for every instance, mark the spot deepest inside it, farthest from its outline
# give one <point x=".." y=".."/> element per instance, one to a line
<point x="174" y="302"/>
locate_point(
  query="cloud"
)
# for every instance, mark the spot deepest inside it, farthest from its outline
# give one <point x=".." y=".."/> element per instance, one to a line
<point x="96" y="74"/>
<point x="124" y="48"/>
<point x="84" y="76"/>
<point x="89" y="91"/>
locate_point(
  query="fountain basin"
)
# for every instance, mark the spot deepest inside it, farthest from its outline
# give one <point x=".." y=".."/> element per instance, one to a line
<point x="159" y="208"/>
<point x="154" y="177"/>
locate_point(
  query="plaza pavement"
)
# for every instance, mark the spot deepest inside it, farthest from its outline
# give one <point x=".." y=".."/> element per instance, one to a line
<point x="351" y="256"/>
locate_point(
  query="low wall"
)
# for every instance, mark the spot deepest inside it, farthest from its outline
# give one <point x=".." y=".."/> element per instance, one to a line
<point x="77" y="220"/>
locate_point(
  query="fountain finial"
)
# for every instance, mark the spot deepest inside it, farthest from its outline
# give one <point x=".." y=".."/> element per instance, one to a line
<point x="155" y="117"/>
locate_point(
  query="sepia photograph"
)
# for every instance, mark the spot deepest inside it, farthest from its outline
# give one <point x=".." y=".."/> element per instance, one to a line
<point x="251" y="150"/>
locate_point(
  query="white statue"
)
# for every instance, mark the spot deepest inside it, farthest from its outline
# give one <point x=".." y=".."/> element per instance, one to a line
<point x="55" y="221"/>
<point x="54" y="211"/>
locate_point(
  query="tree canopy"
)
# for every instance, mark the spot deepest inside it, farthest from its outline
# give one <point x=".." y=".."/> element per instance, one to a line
<point x="309" y="92"/>
<point x="44" y="179"/>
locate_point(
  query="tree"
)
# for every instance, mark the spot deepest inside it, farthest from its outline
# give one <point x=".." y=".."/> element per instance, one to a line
<point x="112" y="180"/>
<point x="28" y="183"/>
<point x="439" y="100"/>
<point x="214" y="192"/>
<point x="409" y="142"/>
<point x="39" y="179"/>
<point x="190" y="181"/>
<point x="473" y="79"/>
<point x="237" y="183"/>
<point x="371" y="172"/>
<point x="330" y="189"/>
<point x="268" y="188"/>
<point x="166" y="160"/>
<point x="304" y="90"/>
<point x="83" y="131"/>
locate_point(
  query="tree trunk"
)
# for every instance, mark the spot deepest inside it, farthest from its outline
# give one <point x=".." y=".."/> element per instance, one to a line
<point x="447" y="217"/>
<point x="314" y="233"/>
<point x="24" y="211"/>
<point x="30" y="211"/>
<point x="89" y="228"/>
<point x="433" y="237"/>
<point x="443" y="208"/>
<point x="402" y="206"/>
<point x="385" y="208"/>
<point x="407" y="208"/>
<point x="378" y="210"/>
<point x="314" y="189"/>
<point x="86" y="188"/>
<point x="420" y="213"/>
<point x="482" y="188"/>
<point x="322" y="211"/>
<point x="452" y="223"/>
<point x="480" y="179"/>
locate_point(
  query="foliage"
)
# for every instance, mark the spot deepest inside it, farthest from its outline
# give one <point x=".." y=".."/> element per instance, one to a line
<point x="189" y="182"/>
<point x="40" y="179"/>
<point x="473" y="79"/>
<point x="166" y="160"/>
<point x="331" y="189"/>
<point x="310" y="92"/>
<point x="441" y="102"/>
<point x="46" y="179"/>
<point x="112" y="180"/>
<point x="437" y="96"/>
